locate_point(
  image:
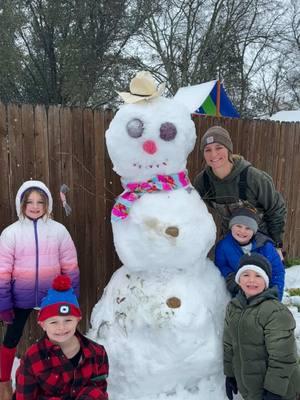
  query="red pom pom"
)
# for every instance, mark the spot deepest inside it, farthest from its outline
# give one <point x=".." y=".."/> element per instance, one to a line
<point x="62" y="283"/>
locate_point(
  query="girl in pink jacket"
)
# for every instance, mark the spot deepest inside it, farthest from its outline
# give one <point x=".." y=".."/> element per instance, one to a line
<point x="33" y="251"/>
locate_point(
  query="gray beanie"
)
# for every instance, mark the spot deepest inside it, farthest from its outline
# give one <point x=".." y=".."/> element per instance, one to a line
<point x="216" y="134"/>
<point x="244" y="216"/>
<point x="255" y="262"/>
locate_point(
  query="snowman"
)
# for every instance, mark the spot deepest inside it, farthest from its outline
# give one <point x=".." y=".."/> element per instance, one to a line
<point x="161" y="315"/>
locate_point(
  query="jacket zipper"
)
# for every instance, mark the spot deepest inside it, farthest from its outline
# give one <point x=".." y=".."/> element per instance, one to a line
<point x="239" y="344"/>
<point x="36" y="262"/>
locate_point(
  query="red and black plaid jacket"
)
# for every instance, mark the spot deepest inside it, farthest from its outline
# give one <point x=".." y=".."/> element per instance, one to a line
<point x="46" y="374"/>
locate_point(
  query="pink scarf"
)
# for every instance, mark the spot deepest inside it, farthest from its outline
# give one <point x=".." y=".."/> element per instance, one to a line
<point x="134" y="190"/>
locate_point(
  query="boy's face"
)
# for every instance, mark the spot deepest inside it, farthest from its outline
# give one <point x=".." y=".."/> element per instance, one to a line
<point x="251" y="283"/>
<point x="241" y="233"/>
<point x="60" y="329"/>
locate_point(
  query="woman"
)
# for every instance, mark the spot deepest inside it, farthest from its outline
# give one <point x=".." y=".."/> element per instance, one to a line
<point x="229" y="181"/>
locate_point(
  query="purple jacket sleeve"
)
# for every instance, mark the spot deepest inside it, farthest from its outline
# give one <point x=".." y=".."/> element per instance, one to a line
<point x="68" y="260"/>
<point x="6" y="267"/>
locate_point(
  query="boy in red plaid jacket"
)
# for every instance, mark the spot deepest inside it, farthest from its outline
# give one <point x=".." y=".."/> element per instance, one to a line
<point x="64" y="365"/>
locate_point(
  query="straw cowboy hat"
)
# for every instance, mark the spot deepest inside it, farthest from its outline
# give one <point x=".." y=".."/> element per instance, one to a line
<point x="142" y="88"/>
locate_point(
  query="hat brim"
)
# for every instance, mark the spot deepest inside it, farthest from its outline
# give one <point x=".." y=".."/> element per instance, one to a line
<point x="130" y="98"/>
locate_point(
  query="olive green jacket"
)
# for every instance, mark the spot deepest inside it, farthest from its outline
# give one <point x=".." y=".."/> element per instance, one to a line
<point x="260" y="193"/>
<point x="259" y="346"/>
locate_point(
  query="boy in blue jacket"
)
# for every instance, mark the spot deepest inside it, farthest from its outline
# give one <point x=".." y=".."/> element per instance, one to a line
<point x="244" y="238"/>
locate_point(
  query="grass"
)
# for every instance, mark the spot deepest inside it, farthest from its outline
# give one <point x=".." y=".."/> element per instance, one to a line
<point x="294" y="291"/>
<point x="292" y="261"/>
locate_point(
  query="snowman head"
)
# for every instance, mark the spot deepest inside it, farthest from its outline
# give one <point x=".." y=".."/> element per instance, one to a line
<point x="150" y="137"/>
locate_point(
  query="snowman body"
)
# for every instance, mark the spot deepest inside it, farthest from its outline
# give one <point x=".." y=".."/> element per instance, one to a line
<point x="161" y="315"/>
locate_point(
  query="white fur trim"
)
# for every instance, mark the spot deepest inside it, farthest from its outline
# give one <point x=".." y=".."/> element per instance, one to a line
<point x="255" y="268"/>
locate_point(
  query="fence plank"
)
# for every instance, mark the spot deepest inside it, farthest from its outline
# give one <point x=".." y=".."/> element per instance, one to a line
<point x="293" y="228"/>
<point x="101" y="274"/>
<point x="5" y="209"/>
<point x="89" y="205"/>
<point x="28" y="141"/>
<point x="55" y="158"/>
<point x="15" y="140"/>
<point x="41" y="144"/>
<point x="78" y="212"/>
<point x="66" y="177"/>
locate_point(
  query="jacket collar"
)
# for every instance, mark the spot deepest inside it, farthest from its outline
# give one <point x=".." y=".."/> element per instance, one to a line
<point x="241" y="301"/>
<point x="85" y="345"/>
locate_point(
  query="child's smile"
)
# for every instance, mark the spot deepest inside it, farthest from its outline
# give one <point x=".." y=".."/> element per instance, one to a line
<point x="241" y="233"/>
<point x="35" y="206"/>
<point x="252" y="283"/>
<point x="60" y="329"/>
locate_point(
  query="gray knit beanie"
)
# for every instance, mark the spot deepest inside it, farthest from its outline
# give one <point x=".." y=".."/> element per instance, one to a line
<point x="244" y="216"/>
<point x="216" y="134"/>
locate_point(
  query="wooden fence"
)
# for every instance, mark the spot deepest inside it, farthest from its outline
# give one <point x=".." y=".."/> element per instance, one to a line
<point x="66" y="145"/>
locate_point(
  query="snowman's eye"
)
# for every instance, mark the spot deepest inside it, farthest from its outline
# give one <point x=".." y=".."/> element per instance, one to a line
<point x="168" y="131"/>
<point x="135" y="128"/>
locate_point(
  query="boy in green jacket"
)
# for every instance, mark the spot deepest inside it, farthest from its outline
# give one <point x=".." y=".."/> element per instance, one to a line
<point x="260" y="355"/>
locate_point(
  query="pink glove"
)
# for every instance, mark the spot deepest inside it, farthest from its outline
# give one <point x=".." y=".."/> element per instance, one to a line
<point x="7" y="316"/>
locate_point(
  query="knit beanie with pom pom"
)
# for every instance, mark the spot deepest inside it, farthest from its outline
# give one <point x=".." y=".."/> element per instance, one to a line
<point x="60" y="300"/>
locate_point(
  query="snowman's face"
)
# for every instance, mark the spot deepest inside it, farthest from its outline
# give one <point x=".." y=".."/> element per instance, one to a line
<point x="151" y="138"/>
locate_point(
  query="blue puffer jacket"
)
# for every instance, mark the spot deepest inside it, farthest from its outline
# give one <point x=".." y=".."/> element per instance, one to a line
<point x="228" y="253"/>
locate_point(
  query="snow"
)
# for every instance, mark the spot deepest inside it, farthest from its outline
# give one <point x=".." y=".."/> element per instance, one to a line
<point x="286" y="116"/>
<point x="161" y="315"/>
<point x="193" y="96"/>
<point x="292" y="281"/>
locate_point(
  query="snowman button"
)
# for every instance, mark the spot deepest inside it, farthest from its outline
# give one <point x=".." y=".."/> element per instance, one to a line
<point x="173" y="302"/>
<point x="172" y="231"/>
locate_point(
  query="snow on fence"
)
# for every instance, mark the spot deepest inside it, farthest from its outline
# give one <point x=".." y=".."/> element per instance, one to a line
<point x="66" y="145"/>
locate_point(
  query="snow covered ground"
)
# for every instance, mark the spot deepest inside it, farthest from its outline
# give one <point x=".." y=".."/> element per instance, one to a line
<point x="292" y="280"/>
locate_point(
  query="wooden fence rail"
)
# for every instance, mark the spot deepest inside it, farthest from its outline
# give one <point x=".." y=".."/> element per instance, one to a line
<point x="66" y="145"/>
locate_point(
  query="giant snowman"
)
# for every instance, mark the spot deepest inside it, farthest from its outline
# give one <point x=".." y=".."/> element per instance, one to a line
<point x="161" y="315"/>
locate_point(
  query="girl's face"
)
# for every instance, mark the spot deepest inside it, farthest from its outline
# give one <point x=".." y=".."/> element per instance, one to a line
<point x="216" y="156"/>
<point x="251" y="283"/>
<point x="60" y="329"/>
<point x="241" y="233"/>
<point x="35" y="205"/>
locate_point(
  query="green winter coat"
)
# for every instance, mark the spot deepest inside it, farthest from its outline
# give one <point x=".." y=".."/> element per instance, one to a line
<point x="260" y="348"/>
<point x="260" y="193"/>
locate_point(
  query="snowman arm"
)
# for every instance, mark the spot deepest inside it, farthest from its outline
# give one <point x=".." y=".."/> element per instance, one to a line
<point x="227" y="347"/>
